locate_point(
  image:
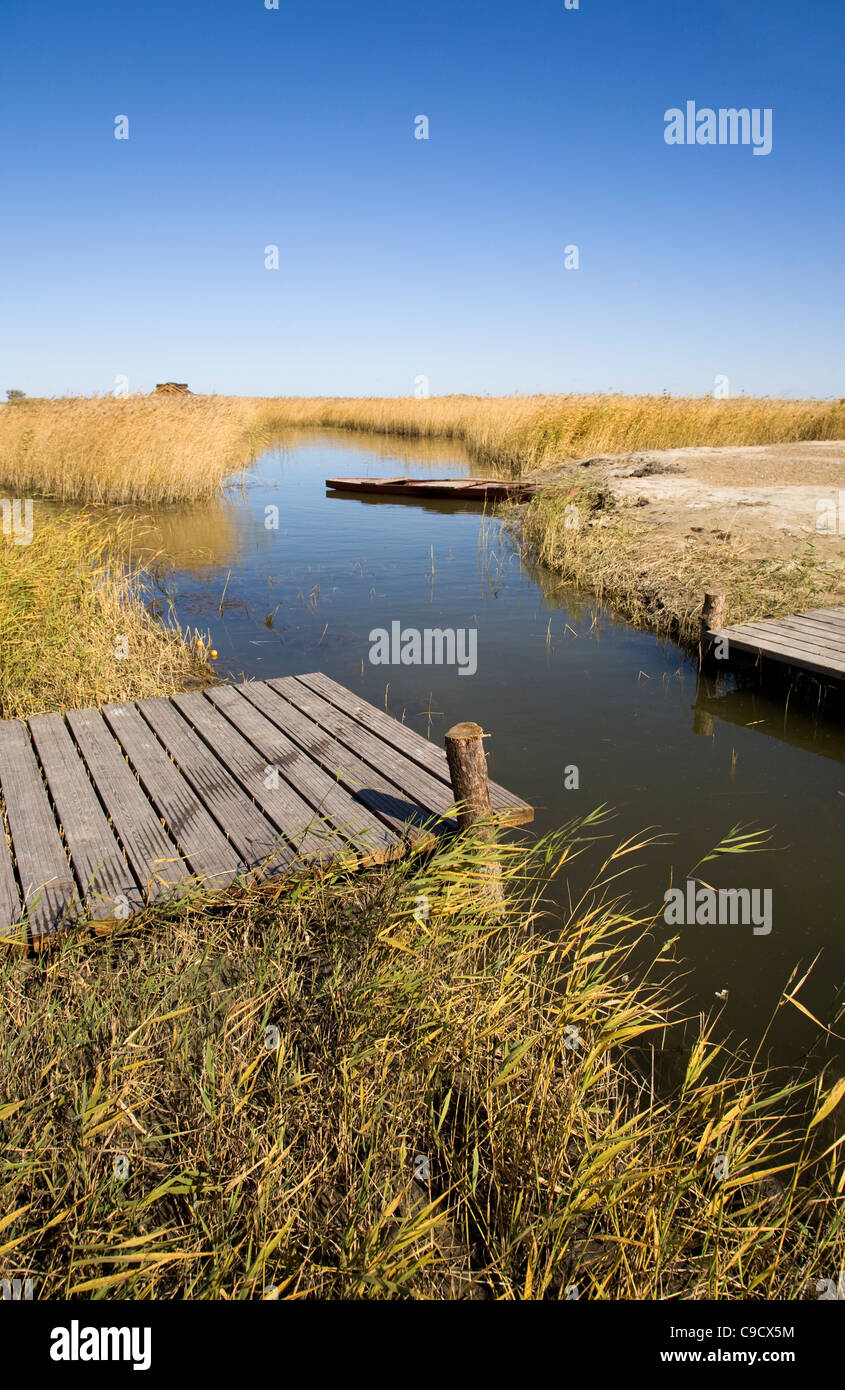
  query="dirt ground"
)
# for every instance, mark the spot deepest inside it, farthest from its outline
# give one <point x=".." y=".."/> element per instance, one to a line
<point x="770" y="495"/>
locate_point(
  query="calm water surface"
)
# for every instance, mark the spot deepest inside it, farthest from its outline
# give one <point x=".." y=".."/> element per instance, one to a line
<point x="560" y="682"/>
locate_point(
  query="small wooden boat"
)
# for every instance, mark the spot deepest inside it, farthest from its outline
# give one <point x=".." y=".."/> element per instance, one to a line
<point x="461" y="489"/>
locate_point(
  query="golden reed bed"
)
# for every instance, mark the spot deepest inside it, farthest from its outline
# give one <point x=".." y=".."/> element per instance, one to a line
<point x="165" y="448"/>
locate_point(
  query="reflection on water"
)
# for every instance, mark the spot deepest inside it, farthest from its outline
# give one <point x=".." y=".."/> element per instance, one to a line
<point x="191" y="537"/>
<point x="381" y="448"/>
<point x="198" y="536"/>
<point x="289" y="581"/>
<point x="746" y="708"/>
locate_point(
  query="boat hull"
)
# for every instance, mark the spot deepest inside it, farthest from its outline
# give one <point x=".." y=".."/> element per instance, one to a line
<point x="460" y="489"/>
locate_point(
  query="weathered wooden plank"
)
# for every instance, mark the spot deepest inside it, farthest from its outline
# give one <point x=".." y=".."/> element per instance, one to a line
<point x="776" y="630"/>
<point x="815" y="635"/>
<point x="767" y="640"/>
<point x="156" y="862"/>
<point x="107" y="882"/>
<point x="413" y="793"/>
<point x="822" y="629"/>
<point x="405" y="814"/>
<point x="799" y="660"/>
<point x="510" y="809"/>
<point x="782" y="635"/>
<point x="49" y="892"/>
<point x="191" y="827"/>
<point x="257" y="840"/>
<point x="10" y="900"/>
<point x="353" y="786"/>
<point x="807" y="623"/>
<point x="791" y="656"/>
<point x="834" y="623"/>
<point x="369" y="837"/>
<point x="818" y="622"/>
<point x="289" y="815"/>
<point x="835" y="615"/>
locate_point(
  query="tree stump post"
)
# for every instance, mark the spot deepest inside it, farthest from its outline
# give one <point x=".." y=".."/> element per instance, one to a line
<point x="471" y="787"/>
<point x="468" y="771"/>
<point x="711" y="619"/>
<point x="712" y="613"/>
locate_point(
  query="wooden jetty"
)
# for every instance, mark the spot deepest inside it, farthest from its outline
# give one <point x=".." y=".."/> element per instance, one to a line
<point x="813" y="640"/>
<point x="461" y="489"/>
<point x="108" y="810"/>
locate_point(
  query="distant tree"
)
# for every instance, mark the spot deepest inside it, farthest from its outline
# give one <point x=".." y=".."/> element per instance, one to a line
<point x="16" y="395"/>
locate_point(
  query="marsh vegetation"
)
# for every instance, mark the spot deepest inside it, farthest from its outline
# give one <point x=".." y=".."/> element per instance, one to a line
<point x="229" y="1097"/>
<point x="167" y="448"/>
<point x="314" y="1090"/>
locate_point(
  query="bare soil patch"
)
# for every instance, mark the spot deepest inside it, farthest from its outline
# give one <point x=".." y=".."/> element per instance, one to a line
<point x="766" y="495"/>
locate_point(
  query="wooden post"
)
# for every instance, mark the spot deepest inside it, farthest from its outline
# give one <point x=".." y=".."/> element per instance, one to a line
<point x="468" y="771"/>
<point x="712" y="613"/>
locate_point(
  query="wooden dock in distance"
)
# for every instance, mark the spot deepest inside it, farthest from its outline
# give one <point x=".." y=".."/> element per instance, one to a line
<point x="109" y="810"/>
<point x="811" y="641"/>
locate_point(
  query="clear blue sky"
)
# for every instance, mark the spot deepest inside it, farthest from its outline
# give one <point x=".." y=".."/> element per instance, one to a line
<point x="400" y="257"/>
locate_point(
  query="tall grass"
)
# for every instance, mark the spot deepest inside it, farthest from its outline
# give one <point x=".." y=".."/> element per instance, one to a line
<point x="126" y="449"/>
<point x="74" y="629"/>
<point x="530" y="433"/>
<point x="656" y="577"/>
<point x="164" y="448"/>
<point x="231" y="1099"/>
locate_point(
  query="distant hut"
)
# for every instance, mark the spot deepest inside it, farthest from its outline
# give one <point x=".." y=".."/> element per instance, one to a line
<point x="173" y="388"/>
